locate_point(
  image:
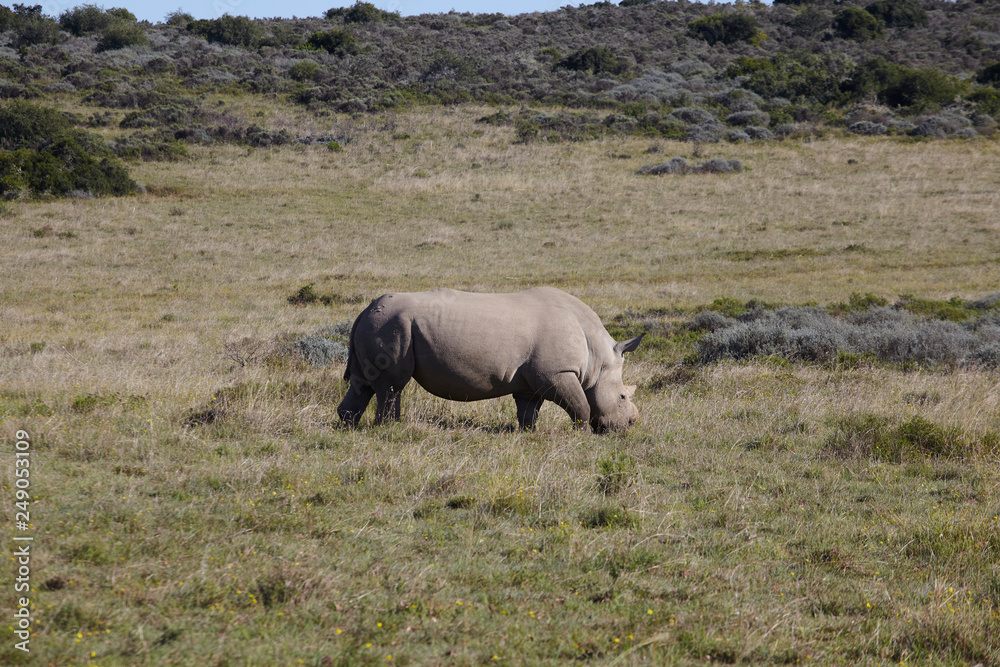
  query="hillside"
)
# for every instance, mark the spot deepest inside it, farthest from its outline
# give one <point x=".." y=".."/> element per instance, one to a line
<point x="672" y="69"/>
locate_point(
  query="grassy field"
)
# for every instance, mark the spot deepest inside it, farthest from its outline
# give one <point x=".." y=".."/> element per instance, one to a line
<point x="196" y="504"/>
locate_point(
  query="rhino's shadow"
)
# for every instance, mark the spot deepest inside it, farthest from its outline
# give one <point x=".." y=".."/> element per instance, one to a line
<point x="445" y="423"/>
<point x="474" y="424"/>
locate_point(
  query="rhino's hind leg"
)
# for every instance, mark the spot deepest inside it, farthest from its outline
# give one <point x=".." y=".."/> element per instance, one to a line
<point x="355" y="403"/>
<point x="389" y="403"/>
<point x="567" y="393"/>
<point x="527" y="409"/>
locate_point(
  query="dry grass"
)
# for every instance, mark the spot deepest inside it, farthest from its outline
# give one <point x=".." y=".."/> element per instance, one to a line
<point x="262" y="535"/>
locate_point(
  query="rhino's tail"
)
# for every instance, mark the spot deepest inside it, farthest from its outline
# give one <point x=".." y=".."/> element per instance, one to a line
<point x="352" y="354"/>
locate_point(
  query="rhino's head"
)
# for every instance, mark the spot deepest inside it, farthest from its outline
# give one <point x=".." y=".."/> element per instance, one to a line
<point x="611" y="407"/>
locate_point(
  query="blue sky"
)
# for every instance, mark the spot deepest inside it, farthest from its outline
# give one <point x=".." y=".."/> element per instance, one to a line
<point x="156" y="10"/>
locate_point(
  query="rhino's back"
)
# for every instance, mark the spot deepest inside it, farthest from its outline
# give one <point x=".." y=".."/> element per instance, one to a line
<point x="470" y="346"/>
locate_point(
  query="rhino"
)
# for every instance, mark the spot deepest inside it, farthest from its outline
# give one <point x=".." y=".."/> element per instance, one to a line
<point x="537" y="345"/>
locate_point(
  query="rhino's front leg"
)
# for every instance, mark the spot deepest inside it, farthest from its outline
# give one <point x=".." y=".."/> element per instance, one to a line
<point x="527" y="409"/>
<point x="355" y="403"/>
<point x="567" y="393"/>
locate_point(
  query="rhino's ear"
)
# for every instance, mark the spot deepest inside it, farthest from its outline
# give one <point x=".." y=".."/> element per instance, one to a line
<point x="628" y="345"/>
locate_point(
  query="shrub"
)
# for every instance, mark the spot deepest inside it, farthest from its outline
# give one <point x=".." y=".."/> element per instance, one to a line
<point x="449" y="66"/>
<point x="60" y="170"/>
<point x="32" y="27"/>
<point x="616" y="471"/>
<point x="594" y="59"/>
<point x="872" y="437"/>
<point x="725" y="28"/>
<point x="84" y="20"/>
<point x="42" y="153"/>
<point x="7" y="19"/>
<point x="897" y="85"/>
<point x="259" y="137"/>
<point x="737" y="136"/>
<point x="321" y="351"/>
<point x="338" y="41"/>
<point x="526" y="131"/>
<point x="304" y="296"/>
<point x="693" y="115"/>
<point x="230" y="30"/>
<point x="942" y="126"/>
<point x="748" y="118"/>
<point x="923" y="87"/>
<point x="952" y="310"/>
<point x="162" y="114"/>
<point x="161" y="147"/>
<point x="304" y="70"/>
<point x="987" y="101"/>
<point x="758" y="133"/>
<point x="989" y="75"/>
<point x="679" y="165"/>
<point x="795" y="77"/>
<point x="178" y="18"/>
<point x="857" y="24"/>
<point x="892" y="335"/>
<point x="868" y="128"/>
<point x="709" y="320"/>
<point x="360" y="12"/>
<point x="365" y="12"/>
<point x="811" y="20"/>
<point x="121" y="35"/>
<point x="122" y="14"/>
<point x="898" y="13"/>
<point x="985" y="356"/>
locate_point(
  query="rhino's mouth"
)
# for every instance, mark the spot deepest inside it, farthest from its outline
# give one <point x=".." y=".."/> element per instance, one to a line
<point x="602" y="425"/>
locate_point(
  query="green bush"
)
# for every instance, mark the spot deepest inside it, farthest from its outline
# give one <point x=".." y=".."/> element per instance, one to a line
<point x="725" y="28"/>
<point x="122" y="14"/>
<point x="231" y="30"/>
<point x="360" y="12"/>
<point x="365" y="12"/>
<point x="898" y="85"/>
<point x="798" y="77"/>
<point x="120" y="35"/>
<point x="304" y="70"/>
<point x="594" y="59"/>
<point x="339" y="41"/>
<point x="987" y="101"/>
<point x="30" y="26"/>
<point x="952" y="310"/>
<point x="42" y="153"/>
<point x="898" y="13"/>
<point x="7" y="19"/>
<point x="84" y="20"/>
<point x="178" y="18"/>
<point x="923" y="87"/>
<point x="857" y="24"/>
